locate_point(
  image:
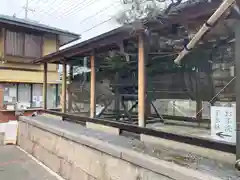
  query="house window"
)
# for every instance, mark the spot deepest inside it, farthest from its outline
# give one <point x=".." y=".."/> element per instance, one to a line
<point x="14" y="43"/>
<point x="29" y="95"/>
<point x="59" y="92"/>
<point x="32" y="46"/>
<point x="24" y="95"/>
<point x="51" y="96"/>
<point x="37" y="95"/>
<point x="10" y="94"/>
<point x="22" y="44"/>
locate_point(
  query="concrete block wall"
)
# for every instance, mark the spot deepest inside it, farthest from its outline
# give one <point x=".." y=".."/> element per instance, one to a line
<point x="79" y="157"/>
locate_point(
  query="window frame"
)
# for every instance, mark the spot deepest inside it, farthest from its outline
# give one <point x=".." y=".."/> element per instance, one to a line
<point x="23" y="34"/>
<point x="33" y="94"/>
<point x="56" y="94"/>
<point x="15" y="85"/>
<point x="29" y="95"/>
<point x="40" y="45"/>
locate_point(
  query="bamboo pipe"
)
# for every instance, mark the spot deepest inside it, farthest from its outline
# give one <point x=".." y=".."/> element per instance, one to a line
<point x="217" y="14"/>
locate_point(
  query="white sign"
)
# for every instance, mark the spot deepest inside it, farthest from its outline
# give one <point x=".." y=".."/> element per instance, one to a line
<point x="223" y="123"/>
<point x="10" y="107"/>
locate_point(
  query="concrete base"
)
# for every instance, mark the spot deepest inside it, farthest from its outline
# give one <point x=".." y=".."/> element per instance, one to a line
<point x="52" y="116"/>
<point x="103" y="128"/>
<point x="75" y="152"/>
<point x="208" y="153"/>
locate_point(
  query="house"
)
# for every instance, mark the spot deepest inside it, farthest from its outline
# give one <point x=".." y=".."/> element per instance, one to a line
<point x="21" y="81"/>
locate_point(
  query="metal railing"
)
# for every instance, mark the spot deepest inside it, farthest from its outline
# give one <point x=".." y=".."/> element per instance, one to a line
<point x="192" y="140"/>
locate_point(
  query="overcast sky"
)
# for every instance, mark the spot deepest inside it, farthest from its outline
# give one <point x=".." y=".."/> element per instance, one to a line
<point x="86" y="17"/>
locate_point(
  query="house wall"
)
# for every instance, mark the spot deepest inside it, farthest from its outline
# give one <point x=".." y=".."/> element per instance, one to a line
<point x="27" y="76"/>
<point x="13" y="70"/>
<point x="50" y="45"/>
<point x="6" y="116"/>
<point x="29" y="72"/>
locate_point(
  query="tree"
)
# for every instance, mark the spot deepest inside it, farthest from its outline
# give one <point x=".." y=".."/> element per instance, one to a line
<point x="142" y="10"/>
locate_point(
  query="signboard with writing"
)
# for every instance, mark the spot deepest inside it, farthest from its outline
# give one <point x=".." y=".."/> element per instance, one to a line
<point x="223" y="123"/>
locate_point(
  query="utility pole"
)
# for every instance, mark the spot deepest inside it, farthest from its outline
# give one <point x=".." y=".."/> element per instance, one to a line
<point x="26" y="8"/>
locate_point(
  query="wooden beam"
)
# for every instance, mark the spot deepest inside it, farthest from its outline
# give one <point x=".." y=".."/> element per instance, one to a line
<point x="64" y="86"/>
<point x="141" y="81"/>
<point x="20" y="69"/>
<point x="93" y="87"/>
<point x="45" y="86"/>
<point x="107" y="41"/>
<point x="69" y="89"/>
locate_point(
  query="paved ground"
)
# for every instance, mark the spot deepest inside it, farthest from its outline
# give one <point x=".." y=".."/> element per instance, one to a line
<point x="16" y="165"/>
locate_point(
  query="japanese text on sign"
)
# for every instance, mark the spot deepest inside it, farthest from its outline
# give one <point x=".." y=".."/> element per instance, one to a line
<point x="223" y="123"/>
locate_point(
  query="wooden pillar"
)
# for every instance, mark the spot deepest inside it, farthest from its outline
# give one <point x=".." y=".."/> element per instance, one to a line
<point x="1" y="96"/>
<point x="64" y="83"/>
<point x="45" y="86"/>
<point x="117" y="97"/>
<point x="237" y="62"/>
<point x="199" y="110"/>
<point x="141" y="81"/>
<point x="92" y="87"/>
<point x="2" y="55"/>
<point x="85" y="65"/>
<point x="69" y="89"/>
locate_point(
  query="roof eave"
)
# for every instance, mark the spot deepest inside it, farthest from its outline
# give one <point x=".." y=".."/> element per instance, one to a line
<point x="75" y="39"/>
<point x="60" y="53"/>
<point x="38" y="28"/>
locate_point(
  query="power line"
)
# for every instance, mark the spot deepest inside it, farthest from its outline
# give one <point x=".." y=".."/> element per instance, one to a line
<point x="77" y="8"/>
<point x="44" y="9"/>
<point x="102" y="10"/>
<point x="70" y="9"/>
<point x="98" y="25"/>
<point x="90" y="3"/>
<point x="52" y="10"/>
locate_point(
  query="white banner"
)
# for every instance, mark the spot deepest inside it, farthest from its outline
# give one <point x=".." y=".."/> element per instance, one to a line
<point x="223" y="123"/>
